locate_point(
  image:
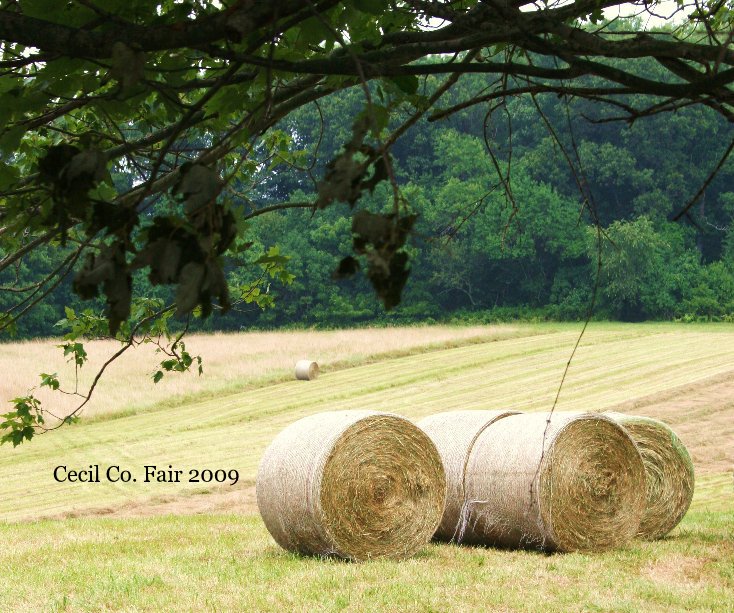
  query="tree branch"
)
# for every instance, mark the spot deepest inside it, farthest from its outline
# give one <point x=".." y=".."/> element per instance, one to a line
<point x="244" y="18"/>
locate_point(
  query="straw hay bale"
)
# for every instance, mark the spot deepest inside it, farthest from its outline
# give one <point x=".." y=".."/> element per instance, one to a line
<point x="306" y="370"/>
<point x="352" y="484"/>
<point x="574" y="483"/>
<point x="669" y="472"/>
<point x="454" y="434"/>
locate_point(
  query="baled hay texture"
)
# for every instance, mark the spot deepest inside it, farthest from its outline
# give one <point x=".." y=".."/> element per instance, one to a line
<point x="574" y="484"/>
<point x="454" y="434"/>
<point x="306" y="370"/>
<point x="669" y="472"/>
<point x="353" y="484"/>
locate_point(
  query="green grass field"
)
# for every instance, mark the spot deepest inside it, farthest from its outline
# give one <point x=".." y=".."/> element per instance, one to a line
<point x="168" y="546"/>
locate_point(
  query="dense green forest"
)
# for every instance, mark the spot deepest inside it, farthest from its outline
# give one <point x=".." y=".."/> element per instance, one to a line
<point x="577" y="189"/>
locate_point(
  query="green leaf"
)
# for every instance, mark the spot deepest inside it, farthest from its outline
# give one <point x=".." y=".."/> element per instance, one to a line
<point x="51" y="381"/>
<point x="405" y="83"/>
<point x="227" y="101"/>
<point x="596" y="16"/>
<point x="314" y="32"/>
<point x="371" y="7"/>
<point x="10" y="139"/>
<point x="76" y="351"/>
<point x="8" y="175"/>
<point x="377" y="116"/>
<point x="20" y="424"/>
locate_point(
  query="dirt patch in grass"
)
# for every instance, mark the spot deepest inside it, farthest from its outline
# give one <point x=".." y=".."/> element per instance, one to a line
<point x="238" y="500"/>
<point x="702" y="415"/>
<point x="677" y="570"/>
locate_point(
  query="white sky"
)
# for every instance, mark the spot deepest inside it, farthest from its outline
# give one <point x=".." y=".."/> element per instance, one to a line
<point x="662" y="12"/>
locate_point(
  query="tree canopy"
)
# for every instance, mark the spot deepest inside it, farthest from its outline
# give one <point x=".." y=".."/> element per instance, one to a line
<point x="149" y="136"/>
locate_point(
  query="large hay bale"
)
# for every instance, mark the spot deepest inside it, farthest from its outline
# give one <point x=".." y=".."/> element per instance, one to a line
<point x="454" y="434"/>
<point x="306" y="370"/>
<point x="669" y="472"/>
<point x="575" y="482"/>
<point x="353" y="484"/>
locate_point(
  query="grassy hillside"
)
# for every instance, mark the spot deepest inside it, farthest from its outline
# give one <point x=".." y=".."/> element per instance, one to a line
<point x="225" y="559"/>
<point x="615" y="364"/>
<point x="232" y="362"/>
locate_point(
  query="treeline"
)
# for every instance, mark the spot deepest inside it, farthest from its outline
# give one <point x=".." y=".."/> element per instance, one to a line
<point x="587" y="202"/>
<point x="604" y="219"/>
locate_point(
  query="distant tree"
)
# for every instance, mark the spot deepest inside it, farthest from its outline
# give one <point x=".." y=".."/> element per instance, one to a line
<point x="140" y="135"/>
<point x="637" y="276"/>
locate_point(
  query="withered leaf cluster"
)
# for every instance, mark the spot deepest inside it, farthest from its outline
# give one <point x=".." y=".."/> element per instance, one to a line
<point x="184" y="251"/>
<point x="70" y="173"/>
<point x="380" y="238"/>
<point x="188" y="254"/>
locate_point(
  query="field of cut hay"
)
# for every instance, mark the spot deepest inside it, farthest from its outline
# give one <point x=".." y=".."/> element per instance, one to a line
<point x="179" y="545"/>
<point x="232" y="362"/>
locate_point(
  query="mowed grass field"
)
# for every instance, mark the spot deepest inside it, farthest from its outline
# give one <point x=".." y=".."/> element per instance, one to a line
<point x="232" y="363"/>
<point x="183" y="546"/>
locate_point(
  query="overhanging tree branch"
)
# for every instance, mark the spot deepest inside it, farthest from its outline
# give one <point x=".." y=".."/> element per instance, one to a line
<point x="243" y="18"/>
<point x="177" y="99"/>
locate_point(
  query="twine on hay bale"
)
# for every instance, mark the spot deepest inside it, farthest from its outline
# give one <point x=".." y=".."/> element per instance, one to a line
<point x="454" y="434"/>
<point x="306" y="370"/>
<point x="669" y="472"/>
<point x="352" y="484"/>
<point x="574" y="483"/>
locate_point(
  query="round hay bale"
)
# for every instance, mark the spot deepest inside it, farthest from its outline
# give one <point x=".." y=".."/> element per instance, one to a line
<point x="352" y="484"/>
<point x="574" y="483"/>
<point x="306" y="370"/>
<point x="454" y="434"/>
<point x="669" y="472"/>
